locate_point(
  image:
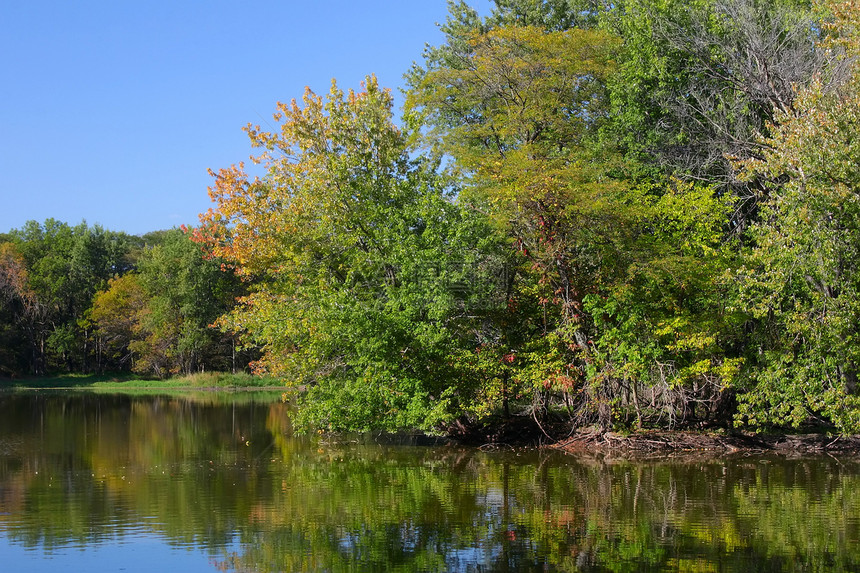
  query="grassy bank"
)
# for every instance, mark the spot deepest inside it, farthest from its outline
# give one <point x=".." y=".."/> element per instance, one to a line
<point x="127" y="382"/>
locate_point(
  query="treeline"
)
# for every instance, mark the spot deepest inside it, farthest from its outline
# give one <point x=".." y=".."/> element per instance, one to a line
<point x="81" y="299"/>
<point x="595" y="214"/>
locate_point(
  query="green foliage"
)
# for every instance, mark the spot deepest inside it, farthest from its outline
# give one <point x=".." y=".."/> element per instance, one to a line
<point x="801" y="279"/>
<point x="663" y="330"/>
<point x="226" y="380"/>
<point x="620" y="301"/>
<point x="64" y="267"/>
<point x="157" y="319"/>
<point x="552" y="15"/>
<point x="519" y="112"/>
<point x="698" y="81"/>
<point x="354" y="250"/>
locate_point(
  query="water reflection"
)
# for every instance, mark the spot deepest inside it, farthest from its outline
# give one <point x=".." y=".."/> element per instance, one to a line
<point x="225" y="478"/>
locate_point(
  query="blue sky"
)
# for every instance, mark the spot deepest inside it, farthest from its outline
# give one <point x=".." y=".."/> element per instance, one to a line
<point x="112" y="111"/>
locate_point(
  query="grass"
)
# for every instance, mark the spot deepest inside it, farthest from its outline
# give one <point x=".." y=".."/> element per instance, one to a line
<point x="126" y="382"/>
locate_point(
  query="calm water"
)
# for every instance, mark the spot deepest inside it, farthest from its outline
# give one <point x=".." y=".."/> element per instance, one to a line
<point x="218" y="483"/>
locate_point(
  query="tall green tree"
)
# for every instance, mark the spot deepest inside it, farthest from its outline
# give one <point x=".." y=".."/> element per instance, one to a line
<point x="802" y="278"/>
<point x="355" y="254"/>
<point x="619" y="274"/>
<point x="519" y="111"/>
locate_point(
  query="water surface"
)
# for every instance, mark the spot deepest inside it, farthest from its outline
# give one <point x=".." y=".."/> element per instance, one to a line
<point x="217" y="482"/>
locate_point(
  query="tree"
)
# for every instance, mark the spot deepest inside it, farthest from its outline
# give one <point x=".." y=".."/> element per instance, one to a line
<point x="699" y="80"/>
<point x="664" y="335"/>
<point x="519" y="109"/>
<point x="463" y="23"/>
<point x="801" y="278"/>
<point x="116" y="314"/>
<point x="519" y="114"/>
<point x="158" y="319"/>
<point x="352" y="250"/>
<point x="19" y="313"/>
<point x="65" y="267"/>
<point x="619" y="276"/>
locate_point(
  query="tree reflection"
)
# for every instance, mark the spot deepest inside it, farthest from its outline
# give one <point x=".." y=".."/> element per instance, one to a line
<point x="229" y="478"/>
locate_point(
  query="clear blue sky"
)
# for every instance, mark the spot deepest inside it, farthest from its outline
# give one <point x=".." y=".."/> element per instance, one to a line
<point x="111" y="111"/>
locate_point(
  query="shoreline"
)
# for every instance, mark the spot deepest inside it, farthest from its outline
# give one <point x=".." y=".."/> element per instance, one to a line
<point x="686" y="443"/>
<point x="519" y="432"/>
<point x="654" y="443"/>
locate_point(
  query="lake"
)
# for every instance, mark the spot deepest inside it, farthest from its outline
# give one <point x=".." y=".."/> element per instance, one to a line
<point x="218" y="482"/>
